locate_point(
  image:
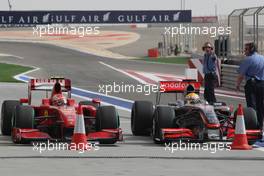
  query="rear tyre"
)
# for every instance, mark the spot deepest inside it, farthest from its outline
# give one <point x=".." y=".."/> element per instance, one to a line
<point x="7" y="111"/>
<point x="107" y="118"/>
<point x="250" y="118"/>
<point x="141" y="118"/>
<point x="163" y="118"/>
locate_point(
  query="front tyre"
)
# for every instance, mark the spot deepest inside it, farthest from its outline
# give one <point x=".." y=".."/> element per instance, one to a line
<point x="7" y="112"/>
<point x="23" y="118"/>
<point x="163" y="118"/>
<point x="141" y="118"/>
<point x="107" y="118"/>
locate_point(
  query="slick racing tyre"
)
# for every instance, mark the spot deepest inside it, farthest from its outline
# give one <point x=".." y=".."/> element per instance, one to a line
<point x="7" y="111"/>
<point x="250" y="117"/>
<point x="23" y="117"/>
<point x="163" y="118"/>
<point x="107" y="118"/>
<point x="141" y="118"/>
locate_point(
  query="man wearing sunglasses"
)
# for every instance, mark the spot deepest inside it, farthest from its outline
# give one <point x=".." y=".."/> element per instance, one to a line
<point x="252" y="69"/>
<point x="209" y="70"/>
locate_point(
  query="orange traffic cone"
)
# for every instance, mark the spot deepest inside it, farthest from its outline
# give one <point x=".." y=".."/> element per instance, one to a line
<point x="79" y="139"/>
<point x="240" y="141"/>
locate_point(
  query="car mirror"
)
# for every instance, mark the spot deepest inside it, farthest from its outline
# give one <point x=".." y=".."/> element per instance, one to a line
<point x="96" y="101"/>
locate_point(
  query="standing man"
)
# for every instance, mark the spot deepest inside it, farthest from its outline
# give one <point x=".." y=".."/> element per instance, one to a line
<point x="209" y="70"/>
<point x="252" y="68"/>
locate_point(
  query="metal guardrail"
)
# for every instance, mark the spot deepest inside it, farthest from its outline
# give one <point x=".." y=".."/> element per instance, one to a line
<point x="229" y="77"/>
<point x="247" y="26"/>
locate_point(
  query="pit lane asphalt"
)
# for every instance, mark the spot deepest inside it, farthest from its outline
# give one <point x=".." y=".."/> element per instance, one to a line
<point x="135" y="155"/>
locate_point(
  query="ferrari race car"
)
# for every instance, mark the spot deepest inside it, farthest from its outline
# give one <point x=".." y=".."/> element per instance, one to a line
<point x="54" y="118"/>
<point x="191" y="119"/>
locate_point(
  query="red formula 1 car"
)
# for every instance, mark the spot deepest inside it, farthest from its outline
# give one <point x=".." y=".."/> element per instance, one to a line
<point x="191" y="119"/>
<point x="54" y="118"/>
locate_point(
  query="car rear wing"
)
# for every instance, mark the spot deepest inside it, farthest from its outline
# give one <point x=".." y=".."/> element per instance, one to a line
<point x="48" y="84"/>
<point x="178" y="86"/>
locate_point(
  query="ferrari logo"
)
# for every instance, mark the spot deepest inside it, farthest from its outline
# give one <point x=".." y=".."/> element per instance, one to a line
<point x="46" y="113"/>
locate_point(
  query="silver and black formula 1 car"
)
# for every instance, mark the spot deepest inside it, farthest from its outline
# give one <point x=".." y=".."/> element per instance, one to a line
<point x="191" y="119"/>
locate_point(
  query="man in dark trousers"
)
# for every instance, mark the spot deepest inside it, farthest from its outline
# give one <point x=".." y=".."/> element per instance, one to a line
<point x="209" y="70"/>
<point x="252" y="69"/>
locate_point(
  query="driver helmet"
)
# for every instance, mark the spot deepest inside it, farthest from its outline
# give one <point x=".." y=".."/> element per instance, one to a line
<point x="58" y="100"/>
<point x="192" y="97"/>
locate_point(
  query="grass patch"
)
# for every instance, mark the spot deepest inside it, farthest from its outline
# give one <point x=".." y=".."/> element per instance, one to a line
<point x="169" y="60"/>
<point x="7" y="71"/>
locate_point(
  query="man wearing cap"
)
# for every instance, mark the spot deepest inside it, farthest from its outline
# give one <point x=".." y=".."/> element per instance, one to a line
<point x="252" y="69"/>
<point x="209" y="70"/>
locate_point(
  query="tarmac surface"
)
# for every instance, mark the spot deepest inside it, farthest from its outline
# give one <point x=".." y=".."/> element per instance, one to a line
<point x="148" y="39"/>
<point x="135" y="155"/>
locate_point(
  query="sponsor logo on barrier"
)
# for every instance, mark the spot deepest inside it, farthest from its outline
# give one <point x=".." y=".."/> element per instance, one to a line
<point x="59" y="17"/>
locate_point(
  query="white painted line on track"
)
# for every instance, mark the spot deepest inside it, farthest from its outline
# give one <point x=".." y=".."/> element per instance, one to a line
<point x="260" y="149"/>
<point x="17" y="77"/>
<point x="11" y="55"/>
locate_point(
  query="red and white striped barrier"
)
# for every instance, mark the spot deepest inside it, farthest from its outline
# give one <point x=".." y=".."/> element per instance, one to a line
<point x="153" y="78"/>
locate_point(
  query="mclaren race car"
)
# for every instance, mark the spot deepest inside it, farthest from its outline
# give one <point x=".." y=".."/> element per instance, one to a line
<point x="190" y="119"/>
<point x="54" y="118"/>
